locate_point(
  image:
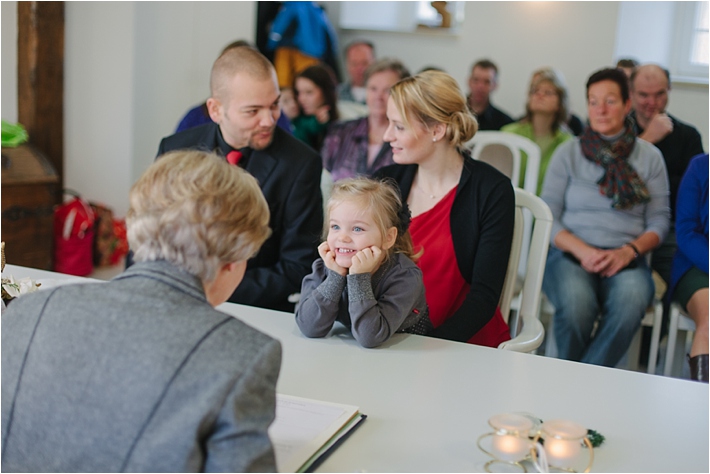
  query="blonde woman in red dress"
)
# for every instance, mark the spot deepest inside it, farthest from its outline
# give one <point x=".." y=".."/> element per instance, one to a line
<point x="462" y="210"/>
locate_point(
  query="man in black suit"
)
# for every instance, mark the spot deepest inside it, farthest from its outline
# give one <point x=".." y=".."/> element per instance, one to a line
<point x="244" y="106"/>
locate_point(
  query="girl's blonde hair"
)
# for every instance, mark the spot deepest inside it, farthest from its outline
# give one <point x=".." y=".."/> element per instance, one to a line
<point x="433" y="97"/>
<point x="383" y="200"/>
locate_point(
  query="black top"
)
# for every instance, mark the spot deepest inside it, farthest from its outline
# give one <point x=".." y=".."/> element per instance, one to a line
<point x="482" y="219"/>
<point x="492" y="118"/>
<point x="289" y="173"/>
<point x="678" y="147"/>
<point x="575" y="124"/>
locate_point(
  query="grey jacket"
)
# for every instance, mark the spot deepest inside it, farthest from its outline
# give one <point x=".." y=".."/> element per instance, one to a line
<point x="374" y="307"/>
<point x="138" y="374"/>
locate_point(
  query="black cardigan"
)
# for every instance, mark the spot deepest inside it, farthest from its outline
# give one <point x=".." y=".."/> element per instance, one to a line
<point x="482" y="219"/>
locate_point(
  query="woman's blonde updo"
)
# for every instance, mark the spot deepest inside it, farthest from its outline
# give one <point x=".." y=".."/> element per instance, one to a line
<point x="434" y="97"/>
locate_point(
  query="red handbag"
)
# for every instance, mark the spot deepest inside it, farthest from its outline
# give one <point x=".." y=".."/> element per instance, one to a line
<point x="74" y="237"/>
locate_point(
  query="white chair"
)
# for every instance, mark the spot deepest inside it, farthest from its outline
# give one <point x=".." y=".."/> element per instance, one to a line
<point x="502" y="150"/>
<point x="679" y="321"/>
<point x="526" y="329"/>
<point x="483" y="148"/>
<point x="652" y="318"/>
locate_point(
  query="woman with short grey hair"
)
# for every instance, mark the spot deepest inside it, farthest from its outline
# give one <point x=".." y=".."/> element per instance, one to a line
<point x="142" y="373"/>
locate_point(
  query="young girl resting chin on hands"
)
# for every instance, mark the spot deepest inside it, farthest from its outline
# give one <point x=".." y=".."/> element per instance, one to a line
<point x="365" y="278"/>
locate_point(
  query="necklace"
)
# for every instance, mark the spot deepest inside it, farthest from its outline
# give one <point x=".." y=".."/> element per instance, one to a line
<point x="421" y="190"/>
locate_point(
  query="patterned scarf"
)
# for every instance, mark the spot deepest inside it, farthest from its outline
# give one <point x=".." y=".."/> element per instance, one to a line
<point x="620" y="182"/>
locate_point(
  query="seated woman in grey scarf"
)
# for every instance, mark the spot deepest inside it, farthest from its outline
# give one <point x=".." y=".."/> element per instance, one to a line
<point x="142" y="373"/>
<point x="608" y="193"/>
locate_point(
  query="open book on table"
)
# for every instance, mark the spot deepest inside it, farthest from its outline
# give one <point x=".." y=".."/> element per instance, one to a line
<point x="305" y="431"/>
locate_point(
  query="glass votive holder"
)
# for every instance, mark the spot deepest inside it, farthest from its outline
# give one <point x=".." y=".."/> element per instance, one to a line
<point x="509" y="442"/>
<point x="562" y="442"/>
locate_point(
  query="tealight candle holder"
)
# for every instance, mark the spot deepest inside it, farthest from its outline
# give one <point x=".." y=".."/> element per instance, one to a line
<point x="509" y="442"/>
<point x="562" y="442"/>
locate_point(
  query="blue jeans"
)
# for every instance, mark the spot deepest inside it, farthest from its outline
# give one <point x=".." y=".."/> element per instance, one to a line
<point x="580" y="299"/>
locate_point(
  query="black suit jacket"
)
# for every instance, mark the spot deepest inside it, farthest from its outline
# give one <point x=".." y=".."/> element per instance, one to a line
<point x="289" y="174"/>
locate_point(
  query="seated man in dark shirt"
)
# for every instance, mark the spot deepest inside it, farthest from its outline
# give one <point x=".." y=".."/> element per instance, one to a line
<point x="483" y="81"/>
<point x="678" y="142"/>
<point x="244" y="106"/>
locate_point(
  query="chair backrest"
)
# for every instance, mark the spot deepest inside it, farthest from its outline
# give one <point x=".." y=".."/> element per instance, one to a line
<point x="486" y="146"/>
<point x="502" y="151"/>
<point x="526" y="330"/>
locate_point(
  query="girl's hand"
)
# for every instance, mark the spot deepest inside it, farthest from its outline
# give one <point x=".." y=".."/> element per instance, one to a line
<point x="329" y="259"/>
<point x="367" y="260"/>
<point x="323" y="114"/>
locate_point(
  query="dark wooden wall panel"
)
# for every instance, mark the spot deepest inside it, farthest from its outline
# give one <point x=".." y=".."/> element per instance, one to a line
<point x="40" y="70"/>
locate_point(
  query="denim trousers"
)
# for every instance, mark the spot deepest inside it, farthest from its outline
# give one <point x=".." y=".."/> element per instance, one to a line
<point x="617" y="304"/>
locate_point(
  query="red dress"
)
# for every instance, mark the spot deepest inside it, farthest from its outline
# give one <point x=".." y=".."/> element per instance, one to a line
<point x="446" y="289"/>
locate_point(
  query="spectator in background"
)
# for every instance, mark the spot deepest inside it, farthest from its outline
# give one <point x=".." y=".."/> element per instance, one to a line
<point x="481" y="83"/>
<point x="315" y="94"/>
<point x="689" y="282"/>
<point x="142" y="374"/>
<point x="199" y="115"/>
<point x="628" y="65"/>
<point x="608" y="193"/>
<point x="574" y="123"/>
<point x="288" y="103"/>
<point x="678" y="142"/>
<point x="301" y="36"/>
<point x="359" y="54"/>
<point x="357" y="147"/>
<point x="544" y="121"/>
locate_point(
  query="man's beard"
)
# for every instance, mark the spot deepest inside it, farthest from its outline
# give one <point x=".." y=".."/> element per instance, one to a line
<point x="258" y="142"/>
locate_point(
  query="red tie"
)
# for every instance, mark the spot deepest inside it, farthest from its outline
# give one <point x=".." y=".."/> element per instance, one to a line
<point x="234" y="156"/>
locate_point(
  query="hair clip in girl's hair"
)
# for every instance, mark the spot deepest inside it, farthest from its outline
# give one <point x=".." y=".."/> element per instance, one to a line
<point x="405" y="218"/>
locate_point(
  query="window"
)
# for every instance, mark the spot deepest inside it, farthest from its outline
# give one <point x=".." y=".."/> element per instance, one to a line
<point x="691" y="40"/>
<point x="672" y="34"/>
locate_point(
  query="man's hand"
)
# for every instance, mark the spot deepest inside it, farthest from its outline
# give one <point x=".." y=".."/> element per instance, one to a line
<point x="658" y="128"/>
<point x="328" y="257"/>
<point x="367" y="260"/>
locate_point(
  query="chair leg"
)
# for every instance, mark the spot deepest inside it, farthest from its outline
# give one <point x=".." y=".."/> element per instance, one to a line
<point x="655" y="337"/>
<point x="672" y="338"/>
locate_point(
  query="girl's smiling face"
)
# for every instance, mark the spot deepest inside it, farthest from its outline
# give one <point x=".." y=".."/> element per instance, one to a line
<point x="351" y="229"/>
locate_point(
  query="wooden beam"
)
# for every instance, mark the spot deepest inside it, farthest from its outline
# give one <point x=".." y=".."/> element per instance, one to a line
<point x="40" y="71"/>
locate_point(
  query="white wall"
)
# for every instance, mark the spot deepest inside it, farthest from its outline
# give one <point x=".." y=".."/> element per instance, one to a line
<point x="133" y="69"/>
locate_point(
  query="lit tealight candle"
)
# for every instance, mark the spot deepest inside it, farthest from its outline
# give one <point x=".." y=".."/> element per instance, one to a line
<point x="510" y="448"/>
<point x="563" y="442"/>
<point x="510" y="441"/>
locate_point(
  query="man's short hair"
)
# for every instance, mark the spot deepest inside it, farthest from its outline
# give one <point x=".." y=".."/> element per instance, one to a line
<point x="387" y="64"/>
<point x="234" y="61"/>
<point x="627" y="62"/>
<point x="614" y="75"/>
<point x="485" y="64"/>
<point x="640" y="69"/>
<point x="357" y="42"/>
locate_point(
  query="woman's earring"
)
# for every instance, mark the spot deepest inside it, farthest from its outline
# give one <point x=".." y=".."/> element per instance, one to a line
<point x="433" y="139"/>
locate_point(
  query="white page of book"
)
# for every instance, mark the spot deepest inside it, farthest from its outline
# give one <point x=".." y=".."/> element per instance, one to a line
<point x="302" y="426"/>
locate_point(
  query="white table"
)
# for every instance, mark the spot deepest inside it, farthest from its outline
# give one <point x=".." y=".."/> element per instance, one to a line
<point x="428" y="400"/>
